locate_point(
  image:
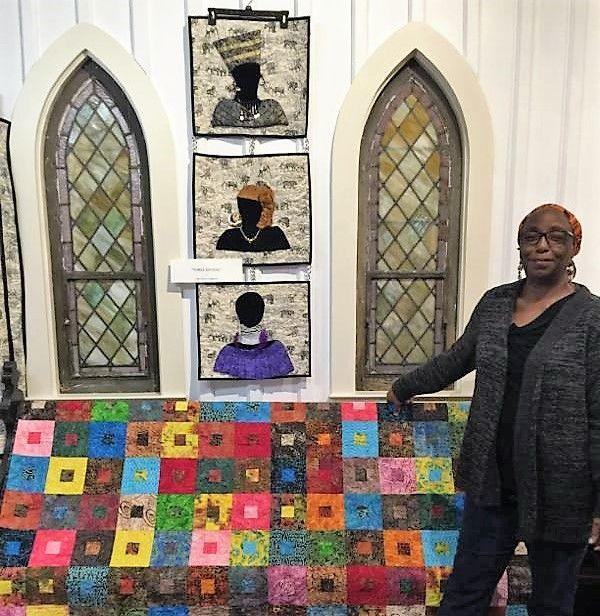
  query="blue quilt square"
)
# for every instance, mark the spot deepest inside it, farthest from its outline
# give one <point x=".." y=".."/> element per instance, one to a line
<point x="171" y="549"/>
<point x="107" y="439"/>
<point x="431" y="439"/>
<point x="252" y="411"/>
<point x="439" y="547"/>
<point x="87" y="586"/>
<point x="15" y="547"/>
<point x="145" y="410"/>
<point x="288" y="547"/>
<point x="516" y="610"/>
<point x="389" y="412"/>
<point x="27" y="474"/>
<point x="173" y="610"/>
<point x="217" y="411"/>
<point x="247" y="588"/>
<point x="363" y="511"/>
<point x="288" y="475"/>
<point x="327" y="610"/>
<point x="140" y="476"/>
<point x="360" y="439"/>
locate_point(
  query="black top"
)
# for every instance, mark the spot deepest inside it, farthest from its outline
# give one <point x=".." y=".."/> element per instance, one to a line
<point x="268" y="239"/>
<point x="520" y="342"/>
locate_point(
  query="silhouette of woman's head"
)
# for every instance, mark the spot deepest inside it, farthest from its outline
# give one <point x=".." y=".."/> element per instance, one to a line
<point x="241" y="54"/>
<point x="256" y="204"/>
<point x="246" y="77"/>
<point x="250" y="308"/>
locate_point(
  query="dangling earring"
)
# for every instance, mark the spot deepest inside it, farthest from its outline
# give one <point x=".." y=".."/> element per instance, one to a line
<point x="520" y="270"/>
<point x="235" y="220"/>
<point x="571" y="270"/>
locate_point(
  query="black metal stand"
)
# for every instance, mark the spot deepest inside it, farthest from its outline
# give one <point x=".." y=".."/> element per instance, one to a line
<point x="248" y="13"/>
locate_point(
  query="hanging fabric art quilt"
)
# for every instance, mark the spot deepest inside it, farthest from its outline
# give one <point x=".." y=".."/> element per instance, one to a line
<point x="253" y="207"/>
<point x="249" y="77"/>
<point x="254" y="330"/>
<point x="12" y="304"/>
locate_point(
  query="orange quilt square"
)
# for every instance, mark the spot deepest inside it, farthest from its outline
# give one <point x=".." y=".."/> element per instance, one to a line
<point x="402" y="548"/>
<point x="325" y="512"/>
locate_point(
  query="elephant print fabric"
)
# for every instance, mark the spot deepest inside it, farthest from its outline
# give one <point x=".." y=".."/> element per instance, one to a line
<point x="257" y="208"/>
<point x="253" y="331"/>
<point x="249" y="77"/>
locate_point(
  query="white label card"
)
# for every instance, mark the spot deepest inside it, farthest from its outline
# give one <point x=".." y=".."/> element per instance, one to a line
<point x="206" y="270"/>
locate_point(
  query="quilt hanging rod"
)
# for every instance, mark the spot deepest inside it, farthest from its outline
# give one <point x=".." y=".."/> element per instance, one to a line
<point x="248" y="13"/>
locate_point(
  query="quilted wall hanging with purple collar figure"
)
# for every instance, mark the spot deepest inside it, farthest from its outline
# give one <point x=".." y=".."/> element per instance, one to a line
<point x="254" y="330"/>
<point x="249" y="77"/>
<point x="254" y="207"/>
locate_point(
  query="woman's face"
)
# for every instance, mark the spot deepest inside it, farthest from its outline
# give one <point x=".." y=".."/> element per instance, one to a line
<point x="546" y="259"/>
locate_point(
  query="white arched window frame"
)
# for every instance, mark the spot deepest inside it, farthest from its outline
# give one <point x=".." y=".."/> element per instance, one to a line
<point x="444" y="60"/>
<point x="30" y="118"/>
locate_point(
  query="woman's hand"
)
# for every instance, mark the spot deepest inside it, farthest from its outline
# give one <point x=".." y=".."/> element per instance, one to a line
<point x="391" y="398"/>
<point x="595" y="536"/>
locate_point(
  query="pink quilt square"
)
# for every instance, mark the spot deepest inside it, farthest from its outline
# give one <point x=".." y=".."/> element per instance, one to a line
<point x="397" y="475"/>
<point x="34" y="437"/>
<point x="210" y="547"/>
<point x="287" y="585"/>
<point x="251" y="511"/>
<point x="359" y="411"/>
<point x="52" y="548"/>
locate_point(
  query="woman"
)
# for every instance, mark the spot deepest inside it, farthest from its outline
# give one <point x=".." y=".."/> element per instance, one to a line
<point x="530" y="457"/>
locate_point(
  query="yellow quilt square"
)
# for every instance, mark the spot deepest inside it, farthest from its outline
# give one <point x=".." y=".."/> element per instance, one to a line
<point x="132" y="548"/>
<point x="47" y="610"/>
<point x="213" y="511"/>
<point x="5" y="587"/>
<point x="179" y="439"/>
<point x="360" y="438"/>
<point x="287" y="511"/>
<point x="434" y="475"/>
<point x="66" y="476"/>
<point x="181" y="406"/>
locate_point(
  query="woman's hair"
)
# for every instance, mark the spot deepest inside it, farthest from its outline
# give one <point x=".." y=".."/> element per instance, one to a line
<point x="264" y="195"/>
<point x="575" y="224"/>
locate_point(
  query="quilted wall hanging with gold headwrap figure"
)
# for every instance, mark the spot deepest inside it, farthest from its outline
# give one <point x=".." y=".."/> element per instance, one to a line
<point x="253" y="207"/>
<point x="249" y="77"/>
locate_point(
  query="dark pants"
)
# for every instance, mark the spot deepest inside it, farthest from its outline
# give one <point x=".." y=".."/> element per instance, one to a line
<point x="485" y="547"/>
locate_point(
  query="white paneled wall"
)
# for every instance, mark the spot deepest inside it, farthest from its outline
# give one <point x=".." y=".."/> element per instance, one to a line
<point x="538" y="63"/>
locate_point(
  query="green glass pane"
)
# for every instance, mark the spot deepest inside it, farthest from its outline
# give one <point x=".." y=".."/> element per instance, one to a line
<point x="84" y="114"/>
<point x="121" y="326"/>
<point x="102" y="240"/>
<point x="97" y="166"/>
<point x="114" y="222"/>
<point x="85" y="185"/>
<point x="74" y="167"/>
<point x="126" y="240"/>
<point x="105" y="114"/>
<point x="131" y="343"/>
<point x="111" y="148"/>
<point x="79" y="241"/>
<point x="121" y="165"/>
<point x="96" y="358"/>
<point x="124" y="203"/>
<point x="106" y="310"/>
<point x="100" y="203"/>
<point x="117" y="260"/>
<point x="87" y="222"/>
<point x="92" y="293"/>
<point x="129" y="309"/>
<point x="122" y="358"/>
<point x="76" y="204"/>
<point x="90" y="259"/>
<point x="86" y="344"/>
<point x="95" y="129"/>
<point x="113" y="185"/>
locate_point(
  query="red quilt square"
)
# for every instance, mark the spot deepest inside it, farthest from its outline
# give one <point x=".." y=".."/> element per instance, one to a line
<point x="251" y="512"/>
<point x="288" y="412"/>
<point x="177" y="476"/>
<point x="215" y="440"/>
<point x="34" y="438"/>
<point x="74" y="410"/>
<point x="98" y="512"/>
<point x="21" y="510"/>
<point x="252" y="440"/>
<point x="367" y="585"/>
<point x="324" y="474"/>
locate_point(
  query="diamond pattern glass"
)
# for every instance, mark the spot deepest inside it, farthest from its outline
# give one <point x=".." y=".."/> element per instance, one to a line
<point x="409" y="176"/>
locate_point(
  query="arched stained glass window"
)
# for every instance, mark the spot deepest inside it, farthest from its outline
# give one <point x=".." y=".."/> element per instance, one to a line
<point x="409" y="224"/>
<point x="100" y="238"/>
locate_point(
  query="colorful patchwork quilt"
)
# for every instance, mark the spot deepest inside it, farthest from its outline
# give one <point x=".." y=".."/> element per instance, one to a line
<point x="177" y="508"/>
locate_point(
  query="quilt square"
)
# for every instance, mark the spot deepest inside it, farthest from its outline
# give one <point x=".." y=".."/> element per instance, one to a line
<point x="181" y="410"/>
<point x="288" y="412"/>
<point x="130" y="587"/>
<point x="87" y="587"/>
<point x="34" y="438"/>
<point x="210" y="547"/>
<point x="396" y="440"/>
<point x="325" y="512"/>
<point x="103" y="476"/>
<point x="252" y="475"/>
<point x="247" y="589"/>
<point x="324" y="411"/>
<point x="27" y="474"/>
<point x="217" y="411"/>
<point x="15" y="547"/>
<point x="360" y="439"/>
<point x="60" y="512"/>
<point x="252" y="440"/>
<point x="288" y="547"/>
<point x="365" y="547"/>
<point x="137" y="512"/>
<point x="430" y="411"/>
<point x="402" y="548"/>
<point x="174" y="512"/>
<point x="46" y="586"/>
<point x="213" y="511"/>
<point x="289" y="440"/>
<point x="106" y="439"/>
<point x="456" y="432"/>
<point x="21" y="510"/>
<point x="167" y="586"/>
<point x="435" y="580"/>
<point x="288" y="511"/>
<point x="215" y="439"/>
<point x="145" y="410"/>
<point x="437" y="511"/>
<point x="207" y="587"/>
<point x="287" y="585"/>
<point x="70" y="439"/>
<point x="401" y="511"/>
<point x="179" y="439"/>
<point x="251" y="512"/>
<point x="66" y="475"/>
<point x="52" y="548"/>
<point x="132" y="548"/>
<point x="249" y="548"/>
<point x="406" y="585"/>
<point x="288" y="474"/>
<point x="359" y="411"/>
<point x="397" y="475"/>
<point x="367" y="585"/>
<point x="110" y="410"/>
<point x="389" y="412"/>
<point x="327" y="548"/>
<point x="434" y="475"/>
<point x="323" y="437"/>
<point x="431" y="439"/>
<point x="177" y="476"/>
<point x="215" y="475"/>
<point x="171" y="549"/>
<point x="327" y="610"/>
<point x="326" y="587"/>
<point x="73" y="410"/>
<point x="324" y="474"/>
<point x="361" y="475"/>
<point x="144" y="439"/>
<point x="93" y="548"/>
<point x="439" y="547"/>
<point x="98" y="512"/>
<point x="253" y="411"/>
<point x="363" y="511"/>
<point x="140" y="476"/>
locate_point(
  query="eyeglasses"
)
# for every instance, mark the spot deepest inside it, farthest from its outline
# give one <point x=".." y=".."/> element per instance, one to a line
<point x="557" y="237"/>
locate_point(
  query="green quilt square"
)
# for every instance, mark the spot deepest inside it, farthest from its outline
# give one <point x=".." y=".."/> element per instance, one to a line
<point x="175" y="512"/>
<point x="104" y="410"/>
<point x="215" y="476"/>
<point x="327" y="548"/>
<point x="70" y="439"/>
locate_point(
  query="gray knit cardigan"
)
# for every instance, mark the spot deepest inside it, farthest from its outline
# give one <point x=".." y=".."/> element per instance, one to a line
<point x="557" y="426"/>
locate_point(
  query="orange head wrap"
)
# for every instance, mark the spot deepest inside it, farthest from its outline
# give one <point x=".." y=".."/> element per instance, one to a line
<point x="575" y="224"/>
<point x="264" y="195"/>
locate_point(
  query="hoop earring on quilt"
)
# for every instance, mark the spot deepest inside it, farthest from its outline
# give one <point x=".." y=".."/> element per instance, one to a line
<point x="520" y="270"/>
<point x="571" y="270"/>
<point x="235" y="220"/>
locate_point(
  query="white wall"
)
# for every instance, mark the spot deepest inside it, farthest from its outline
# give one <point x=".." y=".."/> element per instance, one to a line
<point x="538" y="62"/>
